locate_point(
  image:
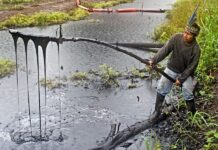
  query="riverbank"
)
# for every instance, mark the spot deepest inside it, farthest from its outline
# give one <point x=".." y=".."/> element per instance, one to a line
<point x="199" y="131"/>
<point x="45" y="12"/>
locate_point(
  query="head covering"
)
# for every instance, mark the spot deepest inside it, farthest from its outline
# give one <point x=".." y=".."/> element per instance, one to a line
<point x="194" y="28"/>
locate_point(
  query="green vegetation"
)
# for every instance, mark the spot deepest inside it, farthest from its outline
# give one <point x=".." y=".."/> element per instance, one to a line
<point x="78" y="14"/>
<point x="200" y="120"/>
<point x="175" y="146"/>
<point x="109" y="75"/>
<point x="7" y="67"/>
<point x="181" y="104"/>
<point x="199" y="125"/>
<point x="131" y="85"/>
<point x="192" y="129"/>
<point x="137" y="73"/>
<point x="13" y="4"/>
<point x="152" y="143"/>
<point x="104" y="4"/>
<point x="43" y="18"/>
<point x="15" y="1"/>
<point x="50" y="83"/>
<point x="212" y="140"/>
<point x="79" y="76"/>
<point x="47" y="18"/>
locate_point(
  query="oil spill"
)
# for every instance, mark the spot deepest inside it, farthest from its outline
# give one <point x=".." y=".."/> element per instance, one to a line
<point x="25" y="136"/>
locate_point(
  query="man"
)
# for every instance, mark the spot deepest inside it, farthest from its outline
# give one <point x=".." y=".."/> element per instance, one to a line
<point x="185" y="54"/>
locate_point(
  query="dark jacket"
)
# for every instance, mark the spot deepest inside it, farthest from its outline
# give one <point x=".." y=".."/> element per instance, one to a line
<point x="184" y="57"/>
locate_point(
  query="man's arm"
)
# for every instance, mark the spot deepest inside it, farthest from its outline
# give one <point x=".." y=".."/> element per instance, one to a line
<point x="163" y="52"/>
<point x="191" y="68"/>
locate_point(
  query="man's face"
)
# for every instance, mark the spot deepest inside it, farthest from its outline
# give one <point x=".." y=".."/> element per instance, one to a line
<point x="188" y="37"/>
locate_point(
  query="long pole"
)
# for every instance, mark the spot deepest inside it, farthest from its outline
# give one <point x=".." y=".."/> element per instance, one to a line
<point x="115" y="47"/>
<point x="144" y="61"/>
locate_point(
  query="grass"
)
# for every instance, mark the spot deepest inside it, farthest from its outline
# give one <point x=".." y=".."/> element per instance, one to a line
<point x="43" y="18"/>
<point x="131" y="85"/>
<point x="51" y="83"/>
<point x="212" y="140"/>
<point x="7" y="67"/>
<point x="79" y="76"/>
<point x="47" y="18"/>
<point x="109" y="75"/>
<point x="104" y="4"/>
<point x="137" y="73"/>
<point x="78" y="14"/>
<point x="201" y="120"/>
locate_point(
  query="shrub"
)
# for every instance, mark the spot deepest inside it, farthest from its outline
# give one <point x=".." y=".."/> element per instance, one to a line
<point x="7" y="67"/>
<point x="79" y="76"/>
<point x="51" y="83"/>
<point x="109" y="75"/>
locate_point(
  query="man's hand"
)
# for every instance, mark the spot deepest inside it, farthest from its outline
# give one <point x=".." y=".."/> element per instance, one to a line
<point x="178" y="83"/>
<point x="151" y="64"/>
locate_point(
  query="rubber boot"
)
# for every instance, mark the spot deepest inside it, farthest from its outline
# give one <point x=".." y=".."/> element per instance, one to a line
<point x="158" y="105"/>
<point x="191" y="106"/>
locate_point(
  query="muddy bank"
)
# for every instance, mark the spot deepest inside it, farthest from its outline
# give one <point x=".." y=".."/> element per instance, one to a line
<point x="41" y="5"/>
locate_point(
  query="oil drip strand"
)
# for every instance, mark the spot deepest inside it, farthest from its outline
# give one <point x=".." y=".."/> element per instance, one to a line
<point x="60" y="102"/>
<point x="15" y="38"/>
<point x="26" y="40"/>
<point x="39" y="95"/>
<point x="44" y="43"/>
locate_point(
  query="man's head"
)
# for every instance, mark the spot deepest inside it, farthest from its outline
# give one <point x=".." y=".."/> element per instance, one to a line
<point x="191" y="32"/>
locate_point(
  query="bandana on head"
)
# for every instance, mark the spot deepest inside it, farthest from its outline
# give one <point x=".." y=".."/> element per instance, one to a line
<point x="192" y="29"/>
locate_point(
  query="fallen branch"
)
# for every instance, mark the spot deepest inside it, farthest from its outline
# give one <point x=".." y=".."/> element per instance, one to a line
<point x="111" y="133"/>
<point x="126" y="134"/>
